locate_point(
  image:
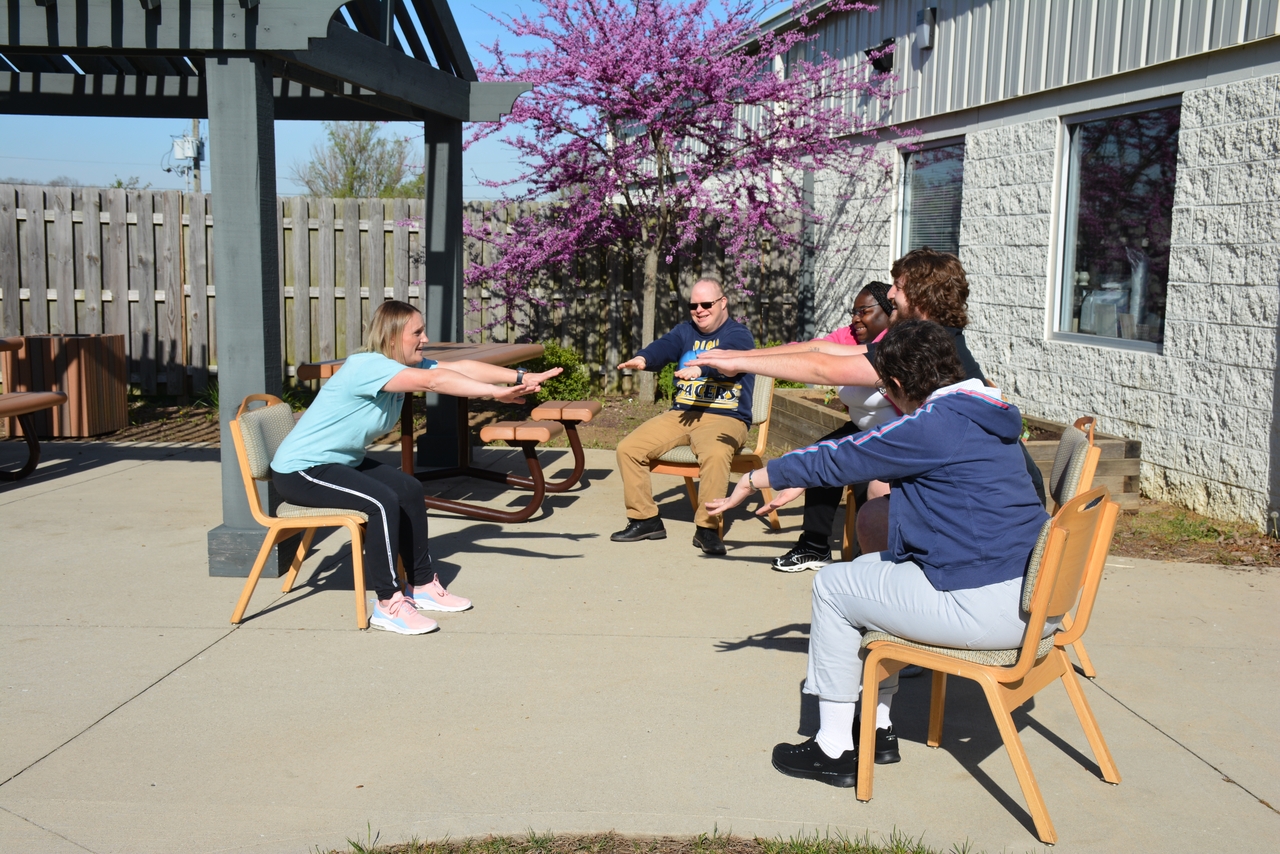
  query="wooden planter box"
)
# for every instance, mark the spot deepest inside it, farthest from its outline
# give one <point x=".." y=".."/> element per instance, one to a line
<point x="800" y="419"/>
<point x="90" y="369"/>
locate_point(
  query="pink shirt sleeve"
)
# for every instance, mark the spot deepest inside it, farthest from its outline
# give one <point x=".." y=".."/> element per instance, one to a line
<point x="843" y="335"/>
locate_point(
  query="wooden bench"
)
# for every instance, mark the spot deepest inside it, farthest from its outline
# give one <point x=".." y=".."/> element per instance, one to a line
<point x="526" y="435"/>
<point x="22" y="405"/>
<point x="569" y="414"/>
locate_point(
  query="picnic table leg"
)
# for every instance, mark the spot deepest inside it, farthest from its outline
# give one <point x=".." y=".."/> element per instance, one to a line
<point x="33" y="450"/>
<point x="537" y="482"/>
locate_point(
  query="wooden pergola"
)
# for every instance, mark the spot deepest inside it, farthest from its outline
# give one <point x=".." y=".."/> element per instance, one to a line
<point x="243" y="64"/>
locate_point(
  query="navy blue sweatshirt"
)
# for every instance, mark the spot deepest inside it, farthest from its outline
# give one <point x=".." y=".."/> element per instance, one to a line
<point x="963" y="507"/>
<point x="713" y="391"/>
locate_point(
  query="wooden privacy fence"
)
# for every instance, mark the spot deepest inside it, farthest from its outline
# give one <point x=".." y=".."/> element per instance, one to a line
<point x="140" y="263"/>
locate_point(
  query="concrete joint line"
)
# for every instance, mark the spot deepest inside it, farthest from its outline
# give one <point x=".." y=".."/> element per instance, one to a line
<point x="1146" y="721"/>
<point x="117" y="708"/>
<point x="47" y="830"/>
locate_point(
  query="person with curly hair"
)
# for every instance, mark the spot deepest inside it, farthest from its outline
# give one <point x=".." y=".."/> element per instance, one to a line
<point x="962" y="525"/>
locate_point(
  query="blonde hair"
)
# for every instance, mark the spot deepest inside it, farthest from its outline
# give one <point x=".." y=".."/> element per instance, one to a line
<point x="386" y="327"/>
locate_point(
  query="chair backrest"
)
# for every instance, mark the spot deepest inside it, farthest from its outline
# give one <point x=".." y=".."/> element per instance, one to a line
<point x="262" y="430"/>
<point x="761" y="400"/>
<point x="1068" y="568"/>
<point x="1071" y="472"/>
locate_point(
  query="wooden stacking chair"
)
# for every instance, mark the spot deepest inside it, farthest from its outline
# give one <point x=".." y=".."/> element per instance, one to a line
<point x="680" y="460"/>
<point x="1063" y="573"/>
<point x="1074" y="465"/>
<point x="257" y="434"/>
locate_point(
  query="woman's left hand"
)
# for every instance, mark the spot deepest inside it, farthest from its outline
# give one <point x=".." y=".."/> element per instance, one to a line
<point x="515" y="393"/>
<point x="740" y="494"/>
<point x="539" y="379"/>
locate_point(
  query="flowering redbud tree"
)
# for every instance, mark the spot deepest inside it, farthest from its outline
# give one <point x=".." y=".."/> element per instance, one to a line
<point x="653" y="124"/>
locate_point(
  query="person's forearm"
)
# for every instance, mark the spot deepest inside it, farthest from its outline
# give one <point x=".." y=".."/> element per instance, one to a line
<point x="482" y="371"/>
<point x="447" y="381"/>
<point x="804" y="367"/>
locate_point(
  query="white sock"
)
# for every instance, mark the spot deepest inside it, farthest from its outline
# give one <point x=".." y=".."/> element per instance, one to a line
<point x="835" y="730"/>
<point x="882" y="710"/>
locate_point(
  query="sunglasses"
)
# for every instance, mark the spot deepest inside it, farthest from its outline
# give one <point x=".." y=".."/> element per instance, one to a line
<point x="694" y="306"/>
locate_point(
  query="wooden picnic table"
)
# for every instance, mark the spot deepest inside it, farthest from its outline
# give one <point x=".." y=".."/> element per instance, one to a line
<point x="492" y="354"/>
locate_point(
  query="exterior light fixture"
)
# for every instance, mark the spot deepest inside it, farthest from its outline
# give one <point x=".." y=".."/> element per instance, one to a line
<point x="926" y="22"/>
<point x="881" y="57"/>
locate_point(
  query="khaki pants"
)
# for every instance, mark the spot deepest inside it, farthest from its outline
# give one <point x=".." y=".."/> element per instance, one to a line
<point x="714" y="439"/>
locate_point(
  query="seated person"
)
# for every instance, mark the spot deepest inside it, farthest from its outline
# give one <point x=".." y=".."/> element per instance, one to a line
<point x="322" y="462"/>
<point x="872" y="314"/>
<point x="710" y="413"/>
<point x="962" y="524"/>
<point x="927" y="285"/>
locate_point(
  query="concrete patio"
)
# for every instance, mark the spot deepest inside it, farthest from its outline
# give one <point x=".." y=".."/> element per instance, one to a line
<point x="595" y="686"/>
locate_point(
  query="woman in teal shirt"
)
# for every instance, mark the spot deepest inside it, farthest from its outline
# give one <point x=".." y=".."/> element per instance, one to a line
<point x="322" y="462"/>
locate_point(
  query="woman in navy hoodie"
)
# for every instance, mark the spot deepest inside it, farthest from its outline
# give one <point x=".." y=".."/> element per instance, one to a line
<point x="963" y="520"/>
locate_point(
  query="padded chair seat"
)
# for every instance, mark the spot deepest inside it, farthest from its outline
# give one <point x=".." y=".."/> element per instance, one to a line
<point x="989" y="657"/>
<point x="566" y="410"/>
<point x="17" y="403"/>
<point x="521" y="431"/>
<point x="679" y="454"/>
<point x="297" y="511"/>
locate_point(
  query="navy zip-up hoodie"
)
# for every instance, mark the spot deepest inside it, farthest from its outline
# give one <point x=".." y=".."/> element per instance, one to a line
<point x="963" y="507"/>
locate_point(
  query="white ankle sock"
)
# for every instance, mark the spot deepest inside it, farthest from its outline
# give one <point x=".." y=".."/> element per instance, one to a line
<point x="882" y="710"/>
<point x="835" y="729"/>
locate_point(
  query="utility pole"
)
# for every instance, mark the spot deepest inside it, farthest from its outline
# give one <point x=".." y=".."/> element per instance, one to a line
<point x="195" y="172"/>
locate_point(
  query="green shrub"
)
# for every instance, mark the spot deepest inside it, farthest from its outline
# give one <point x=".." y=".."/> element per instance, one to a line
<point x="573" y="384"/>
<point x="667" y="381"/>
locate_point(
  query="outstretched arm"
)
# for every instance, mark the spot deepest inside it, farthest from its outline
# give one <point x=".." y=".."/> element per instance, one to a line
<point x="455" y="384"/>
<point x="486" y="373"/>
<point x="804" y="367"/>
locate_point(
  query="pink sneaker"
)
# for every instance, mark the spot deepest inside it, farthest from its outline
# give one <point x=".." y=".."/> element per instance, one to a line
<point x="433" y="597"/>
<point x="397" y="614"/>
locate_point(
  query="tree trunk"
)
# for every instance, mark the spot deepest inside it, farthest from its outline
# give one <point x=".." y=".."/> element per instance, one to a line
<point x="648" y="308"/>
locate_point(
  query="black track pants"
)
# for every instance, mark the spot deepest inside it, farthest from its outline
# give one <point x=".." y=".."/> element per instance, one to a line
<point x="397" y="514"/>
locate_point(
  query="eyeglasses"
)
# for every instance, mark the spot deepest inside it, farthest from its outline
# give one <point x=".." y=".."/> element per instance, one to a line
<point x="694" y="306"/>
<point x="864" y="311"/>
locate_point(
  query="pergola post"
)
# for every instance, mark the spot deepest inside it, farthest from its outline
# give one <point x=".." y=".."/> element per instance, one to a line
<point x="442" y="275"/>
<point x="243" y="161"/>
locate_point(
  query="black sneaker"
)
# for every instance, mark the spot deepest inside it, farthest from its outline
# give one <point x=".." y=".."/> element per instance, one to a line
<point x="802" y="557"/>
<point x="708" y="539"/>
<point x="886" y="743"/>
<point x="641" y="529"/>
<point x="808" y="762"/>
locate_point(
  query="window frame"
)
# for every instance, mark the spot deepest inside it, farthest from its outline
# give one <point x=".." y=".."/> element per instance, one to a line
<point x="1066" y="214"/>
<point x="904" y="183"/>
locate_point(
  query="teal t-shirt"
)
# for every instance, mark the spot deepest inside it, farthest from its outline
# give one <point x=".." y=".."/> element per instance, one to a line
<point x="350" y="411"/>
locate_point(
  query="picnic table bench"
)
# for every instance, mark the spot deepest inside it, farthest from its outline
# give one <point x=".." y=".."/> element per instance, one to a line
<point x="22" y="405"/>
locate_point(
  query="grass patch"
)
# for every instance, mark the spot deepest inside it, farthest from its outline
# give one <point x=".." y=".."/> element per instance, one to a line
<point x="1162" y="532"/>
<point x="615" y="843"/>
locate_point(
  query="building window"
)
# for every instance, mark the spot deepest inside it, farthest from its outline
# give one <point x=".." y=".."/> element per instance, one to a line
<point x="931" y="198"/>
<point x="1120" y="180"/>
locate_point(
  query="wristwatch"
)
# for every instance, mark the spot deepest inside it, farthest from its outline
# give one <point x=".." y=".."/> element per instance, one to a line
<point x="520" y="372"/>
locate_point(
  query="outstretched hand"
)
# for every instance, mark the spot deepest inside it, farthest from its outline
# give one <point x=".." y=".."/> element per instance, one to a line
<point x="539" y="379"/>
<point x="688" y="373"/>
<point x="740" y="493"/>
<point x="516" y="393"/>
<point x="718" y="359"/>
<point x="781" y="498"/>
<point x="637" y="363"/>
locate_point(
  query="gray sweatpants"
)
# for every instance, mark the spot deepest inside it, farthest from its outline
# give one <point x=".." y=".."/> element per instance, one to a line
<point x="872" y="593"/>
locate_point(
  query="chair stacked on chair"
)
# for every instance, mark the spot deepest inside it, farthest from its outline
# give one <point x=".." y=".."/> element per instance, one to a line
<point x="681" y="462"/>
<point x="1063" y="573"/>
<point x="257" y="434"/>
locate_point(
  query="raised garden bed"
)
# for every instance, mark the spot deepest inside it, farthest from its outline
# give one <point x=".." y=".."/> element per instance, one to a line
<point x="800" y="418"/>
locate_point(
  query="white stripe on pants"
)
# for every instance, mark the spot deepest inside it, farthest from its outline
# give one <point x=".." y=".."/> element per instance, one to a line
<point x="872" y="593"/>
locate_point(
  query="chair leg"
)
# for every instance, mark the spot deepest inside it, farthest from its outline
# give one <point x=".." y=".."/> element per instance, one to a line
<point x="357" y="574"/>
<point x="1088" y="722"/>
<point x="693" y="493"/>
<point x="1086" y="665"/>
<point x="292" y="575"/>
<point x="1021" y="764"/>
<point x="873" y="672"/>
<point x="850" y="525"/>
<point x="937" y="705"/>
<point x="273" y="536"/>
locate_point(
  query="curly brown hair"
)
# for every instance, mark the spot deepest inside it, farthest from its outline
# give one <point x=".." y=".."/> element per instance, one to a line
<point x="920" y="356"/>
<point x="935" y="285"/>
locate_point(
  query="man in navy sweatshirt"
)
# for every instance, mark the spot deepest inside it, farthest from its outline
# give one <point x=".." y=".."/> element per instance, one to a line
<point x="710" y="413"/>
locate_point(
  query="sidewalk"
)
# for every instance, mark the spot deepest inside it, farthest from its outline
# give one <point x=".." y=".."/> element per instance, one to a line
<point x="595" y="686"/>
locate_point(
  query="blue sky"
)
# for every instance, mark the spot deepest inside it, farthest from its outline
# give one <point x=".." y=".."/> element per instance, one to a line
<point x="94" y="151"/>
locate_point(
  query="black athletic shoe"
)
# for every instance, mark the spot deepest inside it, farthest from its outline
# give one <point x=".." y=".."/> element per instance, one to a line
<point x="802" y="557"/>
<point x="641" y="529"/>
<point x="708" y="539"/>
<point x="886" y="743"/>
<point x="808" y="762"/>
